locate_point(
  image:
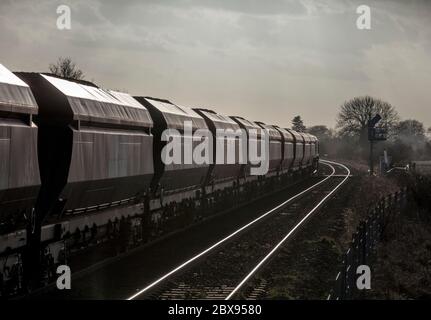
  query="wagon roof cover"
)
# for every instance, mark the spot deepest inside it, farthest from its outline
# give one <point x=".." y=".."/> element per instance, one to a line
<point x="175" y="115"/>
<point x="98" y="105"/>
<point x="220" y="121"/>
<point x="15" y="94"/>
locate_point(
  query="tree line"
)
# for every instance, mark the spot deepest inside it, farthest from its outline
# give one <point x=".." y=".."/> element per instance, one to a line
<point x="406" y="139"/>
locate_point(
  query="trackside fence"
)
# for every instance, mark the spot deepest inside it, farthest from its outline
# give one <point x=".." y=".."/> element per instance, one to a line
<point x="364" y="244"/>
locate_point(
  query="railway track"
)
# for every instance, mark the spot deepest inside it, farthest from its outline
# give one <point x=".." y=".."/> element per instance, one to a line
<point x="221" y="270"/>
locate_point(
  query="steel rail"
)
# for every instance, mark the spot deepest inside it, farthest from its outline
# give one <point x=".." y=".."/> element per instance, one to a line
<point x="279" y="244"/>
<point x="215" y="245"/>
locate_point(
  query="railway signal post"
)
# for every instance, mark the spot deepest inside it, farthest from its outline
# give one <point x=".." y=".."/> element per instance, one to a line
<point x="375" y="134"/>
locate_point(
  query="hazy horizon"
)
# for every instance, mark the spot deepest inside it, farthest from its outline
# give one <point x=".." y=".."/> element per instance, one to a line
<point x="266" y="61"/>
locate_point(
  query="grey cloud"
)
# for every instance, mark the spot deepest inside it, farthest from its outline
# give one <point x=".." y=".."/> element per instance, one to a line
<point x="291" y="57"/>
<point x="259" y="7"/>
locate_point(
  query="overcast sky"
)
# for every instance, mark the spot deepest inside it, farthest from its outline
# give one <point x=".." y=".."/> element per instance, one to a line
<point x="265" y="60"/>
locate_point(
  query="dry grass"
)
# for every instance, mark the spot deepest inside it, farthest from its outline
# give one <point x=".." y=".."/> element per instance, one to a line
<point x="403" y="265"/>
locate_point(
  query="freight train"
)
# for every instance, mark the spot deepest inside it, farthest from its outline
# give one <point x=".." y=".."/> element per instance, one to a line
<point x="78" y="161"/>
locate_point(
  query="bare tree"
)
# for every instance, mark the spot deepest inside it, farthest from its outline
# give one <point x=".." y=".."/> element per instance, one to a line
<point x="66" y="68"/>
<point x="298" y="124"/>
<point x="352" y="120"/>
